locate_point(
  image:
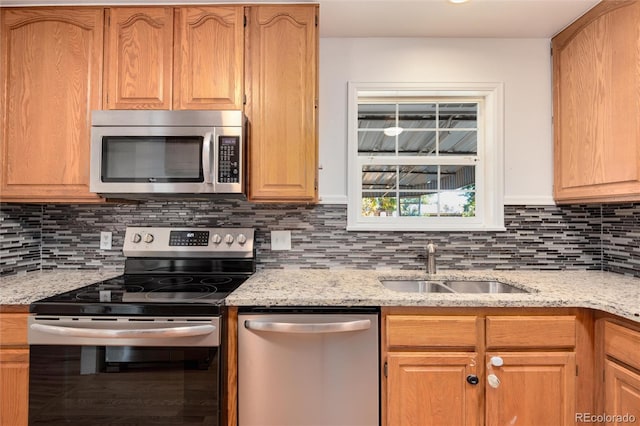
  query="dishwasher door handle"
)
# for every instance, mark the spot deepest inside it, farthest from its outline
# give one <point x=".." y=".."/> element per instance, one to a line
<point x="155" y="333"/>
<point x="309" y="328"/>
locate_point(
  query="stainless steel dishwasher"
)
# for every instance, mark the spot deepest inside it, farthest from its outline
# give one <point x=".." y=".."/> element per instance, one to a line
<point x="309" y="367"/>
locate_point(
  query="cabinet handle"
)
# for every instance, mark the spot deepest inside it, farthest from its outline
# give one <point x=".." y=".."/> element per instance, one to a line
<point x="312" y="328"/>
<point x="472" y="379"/>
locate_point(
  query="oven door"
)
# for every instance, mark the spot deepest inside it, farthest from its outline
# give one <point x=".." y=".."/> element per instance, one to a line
<point x="116" y="371"/>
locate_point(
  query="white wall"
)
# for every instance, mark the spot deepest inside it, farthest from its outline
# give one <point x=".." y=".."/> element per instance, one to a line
<point x="523" y="65"/>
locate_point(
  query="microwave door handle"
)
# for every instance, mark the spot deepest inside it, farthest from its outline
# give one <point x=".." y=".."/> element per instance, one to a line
<point x="206" y="157"/>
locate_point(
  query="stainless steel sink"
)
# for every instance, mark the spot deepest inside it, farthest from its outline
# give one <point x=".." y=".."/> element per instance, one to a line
<point x="464" y="286"/>
<point x="416" y="286"/>
<point x="450" y="286"/>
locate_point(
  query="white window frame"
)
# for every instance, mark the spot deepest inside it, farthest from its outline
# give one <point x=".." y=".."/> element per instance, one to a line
<point x="489" y="167"/>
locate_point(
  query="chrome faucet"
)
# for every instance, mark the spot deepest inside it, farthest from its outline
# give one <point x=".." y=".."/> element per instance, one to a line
<point x="431" y="258"/>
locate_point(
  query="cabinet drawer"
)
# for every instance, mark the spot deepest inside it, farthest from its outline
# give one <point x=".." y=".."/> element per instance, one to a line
<point x="622" y="343"/>
<point x="531" y="332"/>
<point x="432" y="331"/>
<point x="13" y="329"/>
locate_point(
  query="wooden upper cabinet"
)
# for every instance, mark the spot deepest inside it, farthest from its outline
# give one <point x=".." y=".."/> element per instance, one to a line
<point x="209" y="56"/>
<point x="175" y="58"/>
<point x="597" y="105"/>
<point x="139" y="58"/>
<point x="51" y="79"/>
<point x="281" y="88"/>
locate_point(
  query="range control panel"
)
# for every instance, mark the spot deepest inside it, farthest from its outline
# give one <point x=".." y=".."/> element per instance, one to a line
<point x="189" y="242"/>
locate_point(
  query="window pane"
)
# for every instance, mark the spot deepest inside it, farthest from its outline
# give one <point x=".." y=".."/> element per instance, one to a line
<point x="376" y="116"/>
<point x="375" y="143"/>
<point x="417" y="116"/>
<point x="378" y="204"/>
<point x="417" y="143"/>
<point x="458" y="116"/>
<point x="379" y="177"/>
<point x="419" y="204"/>
<point x="459" y="142"/>
<point x="457" y="203"/>
<point x="457" y="177"/>
<point x="418" y="177"/>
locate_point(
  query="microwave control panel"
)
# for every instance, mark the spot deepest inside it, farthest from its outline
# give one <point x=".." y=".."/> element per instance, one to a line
<point x="229" y="159"/>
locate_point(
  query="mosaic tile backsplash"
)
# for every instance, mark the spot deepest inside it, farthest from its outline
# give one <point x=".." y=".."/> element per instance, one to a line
<point x="537" y="237"/>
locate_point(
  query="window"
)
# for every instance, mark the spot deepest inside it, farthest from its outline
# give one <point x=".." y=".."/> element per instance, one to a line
<point x="425" y="157"/>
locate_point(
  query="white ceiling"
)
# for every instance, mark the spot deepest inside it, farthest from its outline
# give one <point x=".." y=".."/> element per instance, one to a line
<point x="439" y="18"/>
<point x="413" y="18"/>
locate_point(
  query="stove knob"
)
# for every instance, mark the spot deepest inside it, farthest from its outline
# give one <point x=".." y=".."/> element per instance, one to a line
<point x="228" y="239"/>
<point x="136" y="238"/>
<point x="148" y="238"/>
<point x="242" y="239"/>
<point x="216" y="239"/>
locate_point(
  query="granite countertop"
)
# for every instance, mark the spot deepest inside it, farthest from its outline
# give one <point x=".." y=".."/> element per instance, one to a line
<point x="609" y="292"/>
<point x="18" y="291"/>
<point x="613" y="293"/>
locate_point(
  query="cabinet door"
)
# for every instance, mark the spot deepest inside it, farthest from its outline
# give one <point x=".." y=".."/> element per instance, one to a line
<point x="50" y="75"/>
<point x="536" y="388"/>
<point x="622" y="393"/>
<point x="426" y="388"/>
<point x="139" y="58"/>
<point x="597" y="105"/>
<point x="281" y="85"/>
<point x="14" y="387"/>
<point x="208" y="52"/>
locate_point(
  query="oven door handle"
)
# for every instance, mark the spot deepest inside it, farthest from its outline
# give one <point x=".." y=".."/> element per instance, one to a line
<point x="206" y="157"/>
<point x="155" y="333"/>
<point x="310" y="328"/>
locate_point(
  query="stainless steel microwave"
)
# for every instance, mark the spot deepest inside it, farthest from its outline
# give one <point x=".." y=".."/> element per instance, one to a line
<point x="135" y="154"/>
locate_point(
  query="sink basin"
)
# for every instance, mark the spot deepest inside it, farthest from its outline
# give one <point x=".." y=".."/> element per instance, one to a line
<point x="450" y="286"/>
<point x="416" y="286"/>
<point x="470" y="286"/>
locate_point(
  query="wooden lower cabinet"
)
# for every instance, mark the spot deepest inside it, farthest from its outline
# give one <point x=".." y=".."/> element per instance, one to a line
<point x="620" y="358"/>
<point x="622" y="393"/>
<point x="492" y="369"/>
<point x="535" y="388"/>
<point x="432" y="389"/>
<point x="14" y="370"/>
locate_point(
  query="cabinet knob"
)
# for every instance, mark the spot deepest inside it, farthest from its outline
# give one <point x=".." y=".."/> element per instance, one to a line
<point x="493" y="380"/>
<point x="497" y="361"/>
<point x="472" y="379"/>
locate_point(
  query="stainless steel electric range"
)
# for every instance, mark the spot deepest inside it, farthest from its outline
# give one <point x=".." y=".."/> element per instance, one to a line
<point x="147" y="347"/>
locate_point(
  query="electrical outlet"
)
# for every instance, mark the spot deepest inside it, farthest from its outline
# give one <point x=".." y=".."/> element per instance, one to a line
<point x="280" y="240"/>
<point x="105" y="240"/>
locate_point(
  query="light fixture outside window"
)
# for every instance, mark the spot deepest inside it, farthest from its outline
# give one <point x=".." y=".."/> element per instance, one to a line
<point x="393" y="131"/>
<point x="458" y="1"/>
